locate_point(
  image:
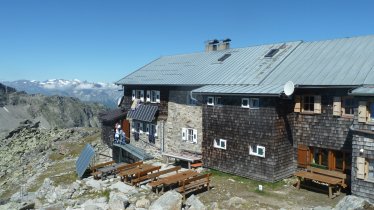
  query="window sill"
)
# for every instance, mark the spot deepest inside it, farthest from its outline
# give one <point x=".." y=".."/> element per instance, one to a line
<point x="348" y="116"/>
<point x="219" y="148"/>
<point x="253" y="154"/>
<point x="308" y="113"/>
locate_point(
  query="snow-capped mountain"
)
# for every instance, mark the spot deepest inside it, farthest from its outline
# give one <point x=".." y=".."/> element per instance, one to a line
<point x="104" y="93"/>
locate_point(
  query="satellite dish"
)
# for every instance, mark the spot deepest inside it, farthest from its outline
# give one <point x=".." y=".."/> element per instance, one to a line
<point x="289" y="88"/>
<point x="119" y="102"/>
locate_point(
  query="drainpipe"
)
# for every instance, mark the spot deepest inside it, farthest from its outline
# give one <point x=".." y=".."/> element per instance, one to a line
<point x="162" y="135"/>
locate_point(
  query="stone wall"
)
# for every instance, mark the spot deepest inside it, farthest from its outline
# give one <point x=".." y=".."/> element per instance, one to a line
<point x="181" y="115"/>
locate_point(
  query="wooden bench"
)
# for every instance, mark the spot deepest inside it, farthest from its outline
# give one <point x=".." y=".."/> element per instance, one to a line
<point x="196" y="165"/>
<point x="193" y="184"/>
<point x="155" y="175"/>
<point x="128" y="166"/>
<point x="100" y="165"/>
<point x="333" y="179"/>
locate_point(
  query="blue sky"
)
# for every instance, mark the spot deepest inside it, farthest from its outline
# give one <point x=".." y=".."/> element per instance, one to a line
<point x="105" y="40"/>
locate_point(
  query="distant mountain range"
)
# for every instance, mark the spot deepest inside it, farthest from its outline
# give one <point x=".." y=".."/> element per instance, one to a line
<point x="104" y="93"/>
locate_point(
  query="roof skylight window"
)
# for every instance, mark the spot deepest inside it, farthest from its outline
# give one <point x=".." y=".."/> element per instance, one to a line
<point x="271" y="53"/>
<point x="224" y="57"/>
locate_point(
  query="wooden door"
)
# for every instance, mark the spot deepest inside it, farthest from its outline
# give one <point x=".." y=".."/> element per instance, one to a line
<point x="126" y="128"/>
<point x="303" y="156"/>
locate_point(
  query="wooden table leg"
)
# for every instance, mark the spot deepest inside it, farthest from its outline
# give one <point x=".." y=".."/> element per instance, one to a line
<point x="189" y="165"/>
<point x="330" y="191"/>
<point x="298" y="183"/>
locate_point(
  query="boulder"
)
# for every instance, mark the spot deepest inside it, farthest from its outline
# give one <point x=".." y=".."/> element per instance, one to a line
<point x="122" y="187"/>
<point x="171" y="200"/>
<point x="193" y="203"/>
<point x="118" y="201"/>
<point x="142" y="203"/>
<point x="351" y="202"/>
<point x="96" y="184"/>
<point x="46" y="187"/>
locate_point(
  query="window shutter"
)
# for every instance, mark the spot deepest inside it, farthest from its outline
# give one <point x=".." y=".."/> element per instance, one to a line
<point x="360" y="172"/>
<point x="337" y="106"/>
<point x="157" y="96"/>
<point x="195" y="136"/>
<point x="184" y="134"/>
<point x="317" y="104"/>
<point x="142" y="95"/>
<point x="297" y="107"/>
<point x="362" y="111"/>
<point x="133" y="94"/>
<point x="148" y="96"/>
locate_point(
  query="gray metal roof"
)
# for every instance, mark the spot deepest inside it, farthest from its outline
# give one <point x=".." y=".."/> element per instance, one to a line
<point x="241" y="89"/>
<point x="84" y="159"/>
<point x="245" y="66"/>
<point x="143" y="113"/>
<point x="137" y="152"/>
<point x="363" y="91"/>
<point x="346" y="61"/>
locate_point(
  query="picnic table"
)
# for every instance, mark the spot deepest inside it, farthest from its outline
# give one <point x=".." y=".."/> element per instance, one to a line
<point x="108" y="170"/>
<point x="138" y="171"/>
<point x="173" y="179"/>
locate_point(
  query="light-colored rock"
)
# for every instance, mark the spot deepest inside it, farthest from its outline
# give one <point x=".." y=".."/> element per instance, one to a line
<point x="122" y="187"/>
<point x="96" y="204"/>
<point x="142" y="203"/>
<point x="236" y="202"/>
<point x="46" y="187"/>
<point x="351" y="202"/>
<point x="322" y="208"/>
<point x="171" y="200"/>
<point x="194" y="203"/>
<point x="118" y="201"/>
<point x="96" y="184"/>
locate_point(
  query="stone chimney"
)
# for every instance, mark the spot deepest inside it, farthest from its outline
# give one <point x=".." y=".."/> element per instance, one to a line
<point x="214" y="45"/>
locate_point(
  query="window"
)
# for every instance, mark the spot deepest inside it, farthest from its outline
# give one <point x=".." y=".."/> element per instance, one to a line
<point x="189" y="135"/>
<point x="210" y="101"/>
<point x="245" y="102"/>
<point x="214" y="101"/>
<point x="371" y="170"/>
<point x="153" y="96"/>
<point x="254" y="103"/>
<point x="308" y="103"/>
<point x="138" y="94"/>
<point x="257" y="150"/>
<point x="190" y="100"/>
<point x="153" y="129"/>
<point x="224" y="57"/>
<point x="348" y="106"/>
<point x="217" y="101"/>
<point x="219" y="143"/>
<point x="365" y="169"/>
<point x="137" y="127"/>
<point x="271" y="53"/>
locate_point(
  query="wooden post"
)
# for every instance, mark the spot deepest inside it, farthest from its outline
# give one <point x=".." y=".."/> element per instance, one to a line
<point x="330" y="191"/>
<point x="298" y="183"/>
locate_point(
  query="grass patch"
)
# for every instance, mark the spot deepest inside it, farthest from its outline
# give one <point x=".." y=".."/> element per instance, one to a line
<point x="65" y="179"/>
<point x="53" y="170"/>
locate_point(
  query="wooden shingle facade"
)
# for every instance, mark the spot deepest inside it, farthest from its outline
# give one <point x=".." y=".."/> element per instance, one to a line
<point x="230" y="106"/>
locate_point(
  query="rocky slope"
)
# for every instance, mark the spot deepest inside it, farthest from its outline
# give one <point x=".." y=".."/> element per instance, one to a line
<point x="50" y="111"/>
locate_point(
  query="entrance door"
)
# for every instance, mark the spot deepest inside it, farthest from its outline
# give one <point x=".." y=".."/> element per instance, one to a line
<point x="126" y="128"/>
<point x="303" y="156"/>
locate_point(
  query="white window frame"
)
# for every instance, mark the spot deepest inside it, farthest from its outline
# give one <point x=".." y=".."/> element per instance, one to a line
<point x="210" y="98"/>
<point x="154" y="96"/>
<point x="216" y="102"/>
<point x="189" y="135"/>
<point x="218" y="144"/>
<point x="189" y="100"/>
<point x="254" y="150"/>
<point x="153" y="127"/>
<point x="245" y="106"/>
<point x="138" y="94"/>
<point x="252" y="103"/>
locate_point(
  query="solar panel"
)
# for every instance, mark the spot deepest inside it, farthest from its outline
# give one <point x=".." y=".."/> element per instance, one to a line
<point x="84" y="159"/>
